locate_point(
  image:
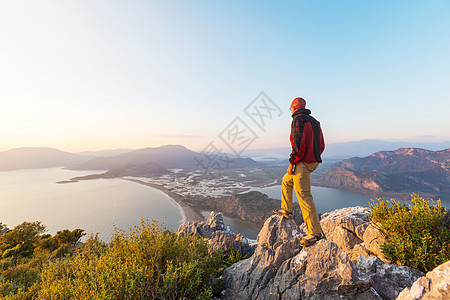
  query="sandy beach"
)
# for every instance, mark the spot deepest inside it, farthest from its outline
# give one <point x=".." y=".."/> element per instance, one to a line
<point x="189" y="212"/>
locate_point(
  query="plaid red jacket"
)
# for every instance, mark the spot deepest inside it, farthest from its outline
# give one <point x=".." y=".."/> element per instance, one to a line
<point x="306" y="138"/>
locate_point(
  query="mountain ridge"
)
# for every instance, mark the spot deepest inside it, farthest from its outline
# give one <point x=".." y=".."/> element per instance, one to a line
<point x="168" y="156"/>
<point x="404" y="170"/>
<point x="37" y="157"/>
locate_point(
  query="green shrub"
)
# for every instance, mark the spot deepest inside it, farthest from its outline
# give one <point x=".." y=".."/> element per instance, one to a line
<point x="148" y="263"/>
<point x="416" y="234"/>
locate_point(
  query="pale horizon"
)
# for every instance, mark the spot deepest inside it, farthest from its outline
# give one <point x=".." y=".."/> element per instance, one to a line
<point x="96" y="75"/>
<point x="198" y="149"/>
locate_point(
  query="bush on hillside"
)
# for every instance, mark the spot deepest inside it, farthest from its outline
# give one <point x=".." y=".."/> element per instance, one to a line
<point x="416" y="234"/>
<point x="24" y="251"/>
<point x="148" y="263"/>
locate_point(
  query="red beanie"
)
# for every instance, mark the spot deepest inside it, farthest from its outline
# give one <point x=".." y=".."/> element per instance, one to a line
<point x="298" y="103"/>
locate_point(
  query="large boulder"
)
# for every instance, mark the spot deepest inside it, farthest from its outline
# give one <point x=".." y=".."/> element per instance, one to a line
<point x="278" y="240"/>
<point x="282" y="269"/>
<point x="345" y="226"/>
<point x="352" y="230"/>
<point x="435" y="285"/>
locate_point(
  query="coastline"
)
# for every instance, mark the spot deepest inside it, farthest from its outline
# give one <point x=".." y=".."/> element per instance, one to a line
<point x="235" y="223"/>
<point x="189" y="213"/>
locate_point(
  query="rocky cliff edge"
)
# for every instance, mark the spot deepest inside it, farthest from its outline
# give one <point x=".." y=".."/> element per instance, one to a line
<point x="345" y="265"/>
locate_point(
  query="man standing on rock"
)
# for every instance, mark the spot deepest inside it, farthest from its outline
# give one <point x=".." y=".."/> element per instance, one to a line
<point x="307" y="146"/>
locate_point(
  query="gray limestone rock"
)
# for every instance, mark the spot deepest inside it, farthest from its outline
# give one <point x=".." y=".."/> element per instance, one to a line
<point x="389" y="280"/>
<point x="435" y="285"/>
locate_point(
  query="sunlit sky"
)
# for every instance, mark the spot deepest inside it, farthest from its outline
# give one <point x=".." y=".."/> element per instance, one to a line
<point x="90" y="75"/>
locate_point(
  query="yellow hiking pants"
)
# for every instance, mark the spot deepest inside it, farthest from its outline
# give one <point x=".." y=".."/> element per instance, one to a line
<point x="301" y="182"/>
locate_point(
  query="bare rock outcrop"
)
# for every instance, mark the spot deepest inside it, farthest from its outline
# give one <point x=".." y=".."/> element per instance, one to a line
<point x="435" y="285"/>
<point x="219" y="236"/>
<point x="281" y="269"/>
<point x="343" y="266"/>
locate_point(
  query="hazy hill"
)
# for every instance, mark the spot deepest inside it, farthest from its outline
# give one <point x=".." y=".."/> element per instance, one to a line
<point x="168" y="156"/>
<point x="104" y="153"/>
<point x="37" y="157"/>
<point x="405" y="170"/>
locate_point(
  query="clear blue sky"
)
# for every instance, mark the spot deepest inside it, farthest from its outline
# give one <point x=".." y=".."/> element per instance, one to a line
<point x="90" y="75"/>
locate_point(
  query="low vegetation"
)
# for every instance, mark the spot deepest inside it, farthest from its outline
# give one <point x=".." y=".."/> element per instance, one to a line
<point x="417" y="235"/>
<point x="150" y="262"/>
<point x="25" y="251"/>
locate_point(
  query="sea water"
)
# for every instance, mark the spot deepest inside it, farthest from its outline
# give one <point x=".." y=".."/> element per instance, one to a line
<point x="96" y="206"/>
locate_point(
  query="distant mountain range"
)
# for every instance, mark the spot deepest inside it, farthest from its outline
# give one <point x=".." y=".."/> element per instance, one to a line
<point x="178" y="157"/>
<point x="167" y="157"/>
<point x="37" y="157"/>
<point x="405" y="170"/>
<point x="367" y="147"/>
